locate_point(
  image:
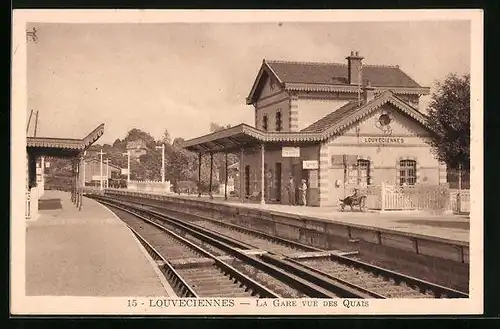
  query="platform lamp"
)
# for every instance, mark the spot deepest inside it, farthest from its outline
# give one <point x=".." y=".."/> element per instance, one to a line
<point x="100" y="177"/>
<point x="107" y="172"/>
<point x="162" y="147"/>
<point x="128" y="166"/>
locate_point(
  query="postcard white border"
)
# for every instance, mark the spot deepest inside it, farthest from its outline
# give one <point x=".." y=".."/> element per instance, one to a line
<point x="21" y="304"/>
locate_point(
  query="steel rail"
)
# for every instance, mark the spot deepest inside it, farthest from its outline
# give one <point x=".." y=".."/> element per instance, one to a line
<point x="179" y="285"/>
<point x="289" y="266"/>
<point x="315" y="286"/>
<point x="256" y="287"/>
<point x="438" y="290"/>
<point x="266" y="236"/>
<point x="422" y="285"/>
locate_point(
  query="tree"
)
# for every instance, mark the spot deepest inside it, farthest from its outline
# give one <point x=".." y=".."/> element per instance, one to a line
<point x="182" y="163"/>
<point x="214" y="127"/>
<point x="137" y="134"/>
<point x="119" y="145"/>
<point x="449" y="116"/>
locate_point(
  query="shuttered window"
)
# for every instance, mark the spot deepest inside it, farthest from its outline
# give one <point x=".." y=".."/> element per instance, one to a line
<point x="279" y="126"/>
<point x="407" y="172"/>
<point x="264" y="123"/>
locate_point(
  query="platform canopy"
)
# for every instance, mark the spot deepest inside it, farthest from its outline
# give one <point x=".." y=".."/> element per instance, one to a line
<point x="62" y="147"/>
<point x="243" y="135"/>
<point x="332" y="124"/>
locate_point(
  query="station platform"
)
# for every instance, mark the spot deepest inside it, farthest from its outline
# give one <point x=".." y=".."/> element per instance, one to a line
<point x="446" y="226"/>
<point x="90" y="252"/>
<point x="449" y="227"/>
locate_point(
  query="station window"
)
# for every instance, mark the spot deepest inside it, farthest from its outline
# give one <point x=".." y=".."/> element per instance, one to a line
<point x="278" y="121"/>
<point x="264" y="123"/>
<point x="407" y="172"/>
<point x="363" y="172"/>
<point x="359" y="173"/>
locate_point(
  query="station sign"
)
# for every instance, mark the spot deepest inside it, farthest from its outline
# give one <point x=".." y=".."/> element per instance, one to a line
<point x="47" y="164"/>
<point x="124" y="171"/>
<point x="290" y="152"/>
<point x="310" y="164"/>
<point x="383" y="140"/>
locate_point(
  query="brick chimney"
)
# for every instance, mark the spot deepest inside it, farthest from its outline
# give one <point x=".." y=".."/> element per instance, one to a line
<point x="368" y="92"/>
<point x="354" y="68"/>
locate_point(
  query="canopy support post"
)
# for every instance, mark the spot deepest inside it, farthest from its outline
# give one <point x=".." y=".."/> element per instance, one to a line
<point x="241" y="177"/>
<point x="211" y="172"/>
<point x="225" y="184"/>
<point x="199" y="174"/>
<point x="262" y="173"/>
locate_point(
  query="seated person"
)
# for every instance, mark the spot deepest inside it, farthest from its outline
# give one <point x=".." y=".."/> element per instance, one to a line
<point x="355" y="195"/>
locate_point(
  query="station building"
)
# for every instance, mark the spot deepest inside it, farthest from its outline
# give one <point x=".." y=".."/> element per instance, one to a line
<point x="136" y="149"/>
<point x="339" y="126"/>
<point x="92" y="171"/>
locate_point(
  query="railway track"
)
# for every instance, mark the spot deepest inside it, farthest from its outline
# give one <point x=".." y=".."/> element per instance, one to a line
<point x="177" y="257"/>
<point x="254" y="276"/>
<point x="369" y="280"/>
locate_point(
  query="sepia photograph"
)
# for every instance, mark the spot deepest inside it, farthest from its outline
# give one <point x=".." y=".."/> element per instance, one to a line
<point x="247" y="162"/>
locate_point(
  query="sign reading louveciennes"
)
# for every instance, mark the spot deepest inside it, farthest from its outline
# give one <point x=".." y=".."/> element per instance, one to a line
<point x="290" y="152"/>
<point x="383" y="140"/>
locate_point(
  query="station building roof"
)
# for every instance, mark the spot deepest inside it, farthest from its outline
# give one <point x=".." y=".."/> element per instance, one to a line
<point x="333" y="123"/>
<point x="98" y="161"/>
<point x="332" y="77"/>
<point x="62" y="147"/>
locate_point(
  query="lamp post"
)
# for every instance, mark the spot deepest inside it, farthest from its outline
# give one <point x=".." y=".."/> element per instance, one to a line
<point x="162" y="147"/>
<point x="128" y="166"/>
<point x="107" y="172"/>
<point x="100" y="176"/>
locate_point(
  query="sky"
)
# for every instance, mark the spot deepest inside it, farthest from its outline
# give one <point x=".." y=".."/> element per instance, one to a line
<point x="182" y="76"/>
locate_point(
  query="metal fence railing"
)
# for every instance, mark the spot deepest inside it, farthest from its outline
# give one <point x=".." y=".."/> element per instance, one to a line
<point x="460" y="201"/>
<point x="417" y="197"/>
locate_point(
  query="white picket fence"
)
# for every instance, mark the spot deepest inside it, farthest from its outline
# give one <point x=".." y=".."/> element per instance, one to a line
<point x="460" y="202"/>
<point x="150" y="186"/>
<point x="92" y="190"/>
<point x="422" y="197"/>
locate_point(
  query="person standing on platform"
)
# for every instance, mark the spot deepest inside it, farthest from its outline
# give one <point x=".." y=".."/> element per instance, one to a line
<point x="303" y="192"/>
<point x="291" y="191"/>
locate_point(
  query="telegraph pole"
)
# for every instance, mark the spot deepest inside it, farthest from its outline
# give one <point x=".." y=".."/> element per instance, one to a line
<point x="100" y="177"/>
<point x="162" y="161"/>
